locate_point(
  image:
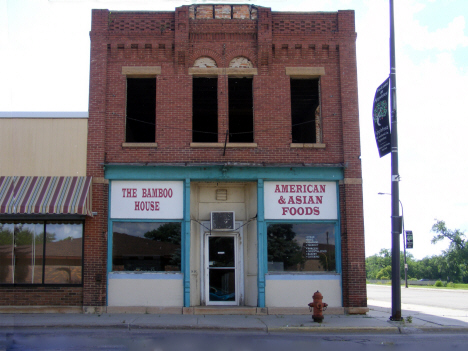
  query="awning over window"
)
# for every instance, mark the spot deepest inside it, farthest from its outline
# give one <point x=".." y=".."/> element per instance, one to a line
<point x="45" y="195"/>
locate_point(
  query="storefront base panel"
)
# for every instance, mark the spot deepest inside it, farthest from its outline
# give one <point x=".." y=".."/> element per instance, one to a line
<point x="305" y="310"/>
<point x="144" y="310"/>
<point x="145" y="289"/>
<point x="41" y="309"/>
<point x="41" y="296"/>
<point x="288" y="290"/>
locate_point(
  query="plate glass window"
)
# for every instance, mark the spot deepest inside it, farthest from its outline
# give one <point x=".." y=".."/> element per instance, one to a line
<point x="146" y="246"/>
<point x="41" y="252"/>
<point x="302" y="247"/>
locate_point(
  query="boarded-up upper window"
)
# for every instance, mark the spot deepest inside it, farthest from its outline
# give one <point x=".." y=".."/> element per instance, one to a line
<point x="240" y="62"/>
<point x="205" y="62"/>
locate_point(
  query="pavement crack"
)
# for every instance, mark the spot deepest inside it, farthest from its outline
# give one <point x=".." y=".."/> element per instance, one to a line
<point x="428" y="321"/>
<point x="131" y="322"/>
<point x="259" y="319"/>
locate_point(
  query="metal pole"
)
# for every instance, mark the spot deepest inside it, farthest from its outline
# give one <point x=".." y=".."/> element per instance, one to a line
<point x="396" y="224"/>
<point x="404" y="238"/>
<point x="404" y="244"/>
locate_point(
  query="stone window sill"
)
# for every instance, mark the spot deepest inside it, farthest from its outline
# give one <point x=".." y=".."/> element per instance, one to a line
<point x="308" y="146"/>
<point x="221" y="145"/>
<point x="139" y="145"/>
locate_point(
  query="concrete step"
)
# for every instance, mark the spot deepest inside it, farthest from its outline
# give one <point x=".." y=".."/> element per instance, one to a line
<point x="227" y="310"/>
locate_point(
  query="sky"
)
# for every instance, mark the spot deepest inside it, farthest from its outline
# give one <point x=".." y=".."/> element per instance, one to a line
<point x="44" y="52"/>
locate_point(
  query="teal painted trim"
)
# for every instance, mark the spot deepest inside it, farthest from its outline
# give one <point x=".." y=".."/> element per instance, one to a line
<point x="222" y="173"/>
<point x="144" y="220"/>
<point x="262" y="262"/>
<point x="338" y="232"/>
<point x="186" y="244"/>
<point x="338" y="245"/>
<point x="109" y="244"/>
<point x="303" y="277"/>
<point x="293" y="221"/>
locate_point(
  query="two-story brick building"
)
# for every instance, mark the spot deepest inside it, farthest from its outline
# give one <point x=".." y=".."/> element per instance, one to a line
<point x="223" y="144"/>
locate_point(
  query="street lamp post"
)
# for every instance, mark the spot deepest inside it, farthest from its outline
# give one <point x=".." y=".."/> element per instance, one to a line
<point x="404" y="239"/>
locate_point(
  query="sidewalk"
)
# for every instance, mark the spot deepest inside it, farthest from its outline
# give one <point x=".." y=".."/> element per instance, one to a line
<point x="376" y="321"/>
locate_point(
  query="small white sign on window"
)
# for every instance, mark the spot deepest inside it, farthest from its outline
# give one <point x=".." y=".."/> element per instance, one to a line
<point x="300" y="200"/>
<point x="147" y="199"/>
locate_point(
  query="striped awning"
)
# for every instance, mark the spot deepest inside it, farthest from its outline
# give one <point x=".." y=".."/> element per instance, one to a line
<point x="45" y="195"/>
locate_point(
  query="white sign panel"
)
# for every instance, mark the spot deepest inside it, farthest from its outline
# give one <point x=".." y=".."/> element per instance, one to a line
<point x="147" y="199"/>
<point x="300" y="200"/>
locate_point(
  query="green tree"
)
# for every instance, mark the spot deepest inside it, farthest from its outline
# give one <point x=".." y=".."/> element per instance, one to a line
<point x="169" y="233"/>
<point x="456" y="256"/>
<point x="385" y="273"/>
<point x="6" y="235"/>
<point x="281" y="245"/>
<point x="377" y="262"/>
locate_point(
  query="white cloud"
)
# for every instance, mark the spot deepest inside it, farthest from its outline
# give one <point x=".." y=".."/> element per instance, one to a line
<point x="409" y="31"/>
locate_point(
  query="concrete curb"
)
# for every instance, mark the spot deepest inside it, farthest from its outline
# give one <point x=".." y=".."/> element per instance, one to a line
<point x="381" y="330"/>
<point x="364" y="330"/>
<point x="267" y="329"/>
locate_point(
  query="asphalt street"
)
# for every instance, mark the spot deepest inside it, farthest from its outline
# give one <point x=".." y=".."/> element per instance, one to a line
<point x="380" y="295"/>
<point x="161" y="340"/>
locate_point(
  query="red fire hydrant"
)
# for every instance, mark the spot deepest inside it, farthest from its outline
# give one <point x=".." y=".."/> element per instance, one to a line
<point x="318" y="307"/>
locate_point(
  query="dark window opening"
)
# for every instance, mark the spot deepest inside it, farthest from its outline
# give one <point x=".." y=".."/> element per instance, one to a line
<point x="304" y="103"/>
<point x="205" y="110"/>
<point x="141" y="110"/>
<point x="240" y="110"/>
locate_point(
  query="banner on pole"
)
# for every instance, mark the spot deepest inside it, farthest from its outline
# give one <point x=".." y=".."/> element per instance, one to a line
<point x="381" y="120"/>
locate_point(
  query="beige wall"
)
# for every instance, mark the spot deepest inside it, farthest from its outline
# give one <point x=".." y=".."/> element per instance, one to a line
<point x="242" y="199"/>
<point x="43" y="146"/>
<point x="298" y="293"/>
<point x="145" y="290"/>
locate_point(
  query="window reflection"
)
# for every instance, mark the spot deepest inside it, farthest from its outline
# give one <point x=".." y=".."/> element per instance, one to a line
<point x="28" y="253"/>
<point x="22" y="247"/>
<point x="64" y="244"/>
<point x="146" y="246"/>
<point x="303" y="247"/>
<point x="6" y="253"/>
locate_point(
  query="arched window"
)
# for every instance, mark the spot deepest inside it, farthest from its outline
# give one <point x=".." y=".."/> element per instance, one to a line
<point x="205" y="62"/>
<point x="240" y="62"/>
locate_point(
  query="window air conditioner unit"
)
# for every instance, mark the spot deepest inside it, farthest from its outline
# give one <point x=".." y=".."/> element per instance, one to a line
<point x="222" y="220"/>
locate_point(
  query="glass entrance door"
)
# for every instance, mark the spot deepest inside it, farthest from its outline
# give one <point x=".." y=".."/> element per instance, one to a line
<point x="221" y="270"/>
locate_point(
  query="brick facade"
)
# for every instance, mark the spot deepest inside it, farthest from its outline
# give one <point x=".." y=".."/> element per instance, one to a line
<point x="272" y="41"/>
<point x="41" y="296"/>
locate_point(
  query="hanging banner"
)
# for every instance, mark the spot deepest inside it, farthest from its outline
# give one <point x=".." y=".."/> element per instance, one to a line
<point x="381" y="120"/>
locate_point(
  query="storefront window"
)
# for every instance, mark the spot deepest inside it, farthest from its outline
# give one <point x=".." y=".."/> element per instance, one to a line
<point x="6" y="252"/>
<point x="22" y="248"/>
<point x="302" y="247"/>
<point x="146" y="246"/>
<point x="63" y="253"/>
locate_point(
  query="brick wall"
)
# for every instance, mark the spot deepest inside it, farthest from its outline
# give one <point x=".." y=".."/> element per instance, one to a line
<point x="272" y="41"/>
<point x="41" y="296"/>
